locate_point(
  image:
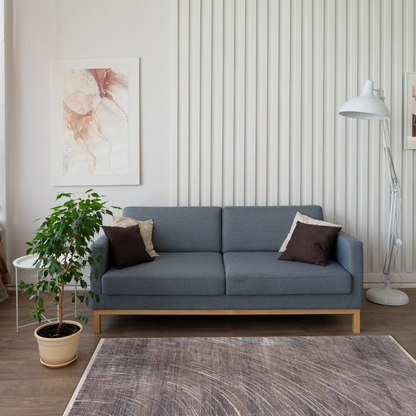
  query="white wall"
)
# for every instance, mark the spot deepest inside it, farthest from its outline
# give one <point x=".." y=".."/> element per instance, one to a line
<point x="239" y="105"/>
<point x="39" y="31"/>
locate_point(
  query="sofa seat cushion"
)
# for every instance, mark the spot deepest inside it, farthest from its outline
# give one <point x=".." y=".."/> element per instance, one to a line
<point x="200" y="273"/>
<point x="260" y="273"/>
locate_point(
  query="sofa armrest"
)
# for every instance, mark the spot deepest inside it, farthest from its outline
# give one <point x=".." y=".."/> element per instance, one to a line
<point x="100" y="247"/>
<point x="348" y="252"/>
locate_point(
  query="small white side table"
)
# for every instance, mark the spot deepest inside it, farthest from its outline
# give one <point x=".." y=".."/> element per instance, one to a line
<point x="28" y="263"/>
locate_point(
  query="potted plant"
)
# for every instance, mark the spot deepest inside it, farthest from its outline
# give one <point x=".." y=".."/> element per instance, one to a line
<point x="61" y="245"/>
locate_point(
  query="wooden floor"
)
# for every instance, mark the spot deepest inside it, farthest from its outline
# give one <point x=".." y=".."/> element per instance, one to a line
<point x="27" y="387"/>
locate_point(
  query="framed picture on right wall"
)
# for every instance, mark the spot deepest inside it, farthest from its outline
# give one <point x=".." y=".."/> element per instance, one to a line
<point x="410" y="111"/>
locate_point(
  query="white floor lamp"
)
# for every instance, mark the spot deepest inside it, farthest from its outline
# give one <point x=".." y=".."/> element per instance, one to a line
<point x="367" y="107"/>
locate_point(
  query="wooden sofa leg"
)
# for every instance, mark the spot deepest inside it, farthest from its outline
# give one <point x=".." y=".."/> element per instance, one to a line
<point x="356" y="323"/>
<point x="97" y="322"/>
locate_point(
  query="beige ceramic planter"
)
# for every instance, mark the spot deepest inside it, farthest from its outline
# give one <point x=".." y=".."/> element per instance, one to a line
<point x="60" y="351"/>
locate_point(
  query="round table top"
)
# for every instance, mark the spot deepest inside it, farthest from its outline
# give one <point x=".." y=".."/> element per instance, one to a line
<point x="26" y="262"/>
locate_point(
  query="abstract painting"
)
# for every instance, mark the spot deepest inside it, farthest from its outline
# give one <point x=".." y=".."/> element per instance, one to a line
<point x="410" y="111"/>
<point x="96" y="122"/>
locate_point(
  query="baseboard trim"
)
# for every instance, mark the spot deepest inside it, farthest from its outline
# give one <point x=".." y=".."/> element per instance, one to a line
<point x="394" y="285"/>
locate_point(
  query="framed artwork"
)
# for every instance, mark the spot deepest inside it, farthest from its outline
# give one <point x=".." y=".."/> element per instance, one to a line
<point x="410" y="111"/>
<point x="96" y="123"/>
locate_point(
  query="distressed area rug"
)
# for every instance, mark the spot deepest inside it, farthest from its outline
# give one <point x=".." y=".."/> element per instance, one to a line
<point x="362" y="375"/>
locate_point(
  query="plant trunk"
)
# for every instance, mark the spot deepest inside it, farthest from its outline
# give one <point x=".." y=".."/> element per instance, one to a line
<point x="61" y="307"/>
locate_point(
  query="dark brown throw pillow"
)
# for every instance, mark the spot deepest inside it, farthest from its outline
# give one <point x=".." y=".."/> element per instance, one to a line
<point x="310" y="244"/>
<point x="127" y="246"/>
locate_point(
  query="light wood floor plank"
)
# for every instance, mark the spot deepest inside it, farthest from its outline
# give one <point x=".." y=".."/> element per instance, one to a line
<point x="27" y="387"/>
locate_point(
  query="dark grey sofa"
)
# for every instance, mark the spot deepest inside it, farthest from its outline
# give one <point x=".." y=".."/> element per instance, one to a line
<point x="215" y="260"/>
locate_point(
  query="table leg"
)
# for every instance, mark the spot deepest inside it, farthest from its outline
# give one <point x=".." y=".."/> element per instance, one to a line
<point x="17" y="301"/>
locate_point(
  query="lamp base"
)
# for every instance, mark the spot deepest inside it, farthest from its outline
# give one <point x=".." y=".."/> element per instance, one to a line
<point x="387" y="296"/>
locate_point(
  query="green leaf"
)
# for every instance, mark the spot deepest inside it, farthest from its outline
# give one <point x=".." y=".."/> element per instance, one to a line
<point x="62" y="243"/>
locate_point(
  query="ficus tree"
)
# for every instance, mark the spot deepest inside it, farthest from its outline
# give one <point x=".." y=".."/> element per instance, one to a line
<point x="62" y="244"/>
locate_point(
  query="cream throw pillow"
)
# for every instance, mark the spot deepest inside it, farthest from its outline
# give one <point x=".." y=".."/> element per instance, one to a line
<point x="146" y="230"/>
<point x="306" y="220"/>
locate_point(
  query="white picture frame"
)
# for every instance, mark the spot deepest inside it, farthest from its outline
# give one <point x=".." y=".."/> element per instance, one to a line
<point x="409" y="122"/>
<point x="96" y="122"/>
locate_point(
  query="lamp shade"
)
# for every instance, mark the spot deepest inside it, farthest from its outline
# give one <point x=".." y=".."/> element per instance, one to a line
<point x="366" y="106"/>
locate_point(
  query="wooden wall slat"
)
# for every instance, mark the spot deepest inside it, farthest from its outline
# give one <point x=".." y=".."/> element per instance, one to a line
<point x="273" y="103"/>
<point x="341" y="98"/>
<point x="262" y="101"/>
<point x="175" y="101"/>
<point x="284" y="103"/>
<point x="206" y="102"/>
<point x="363" y="135"/>
<point x="240" y="99"/>
<point x="352" y="125"/>
<point x="408" y="171"/>
<point x="306" y="97"/>
<point x="376" y="149"/>
<point x="195" y="103"/>
<point x="229" y="83"/>
<point x="251" y="102"/>
<point x="330" y="111"/>
<point x="396" y="111"/>
<point x="217" y="102"/>
<point x="296" y="103"/>
<point x="318" y="100"/>
<point x="183" y="103"/>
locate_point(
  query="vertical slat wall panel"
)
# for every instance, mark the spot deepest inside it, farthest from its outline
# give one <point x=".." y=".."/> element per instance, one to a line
<point x="375" y="140"/>
<point x="273" y="102"/>
<point x="363" y="135"/>
<point x="183" y="103"/>
<point x="306" y="97"/>
<point x="228" y="180"/>
<point x="174" y="100"/>
<point x="318" y="100"/>
<point x="217" y="101"/>
<point x="396" y="110"/>
<point x="352" y="125"/>
<point x="341" y="97"/>
<point x="251" y="102"/>
<point x="412" y="68"/>
<point x="206" y="102"/>
<point x="330" y="114"/>
<point x="296" y="103"/>
<point x="240" y="98"/>
<point x="262" y="95"/>
<point x="256" y="90"/>
<point x="284" y="103"/>
<point x="385" y="84"/>
<point x="195" y="102"/>
<point x="408" y="171"/>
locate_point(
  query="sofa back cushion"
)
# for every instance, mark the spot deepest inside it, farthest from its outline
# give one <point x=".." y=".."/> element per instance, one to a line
<point x="182" y="229"/>
<point x="261" y="228"/>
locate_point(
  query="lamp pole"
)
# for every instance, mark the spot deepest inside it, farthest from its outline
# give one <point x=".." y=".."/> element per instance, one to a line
<point x="367" y="107"/>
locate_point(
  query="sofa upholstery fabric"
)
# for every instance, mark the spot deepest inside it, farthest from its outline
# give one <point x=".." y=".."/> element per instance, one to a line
<point x="261" y="228"/>
<point x="179" y="229"/>
<point x="261" y="273"/>
<point x="169" y="274"/>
